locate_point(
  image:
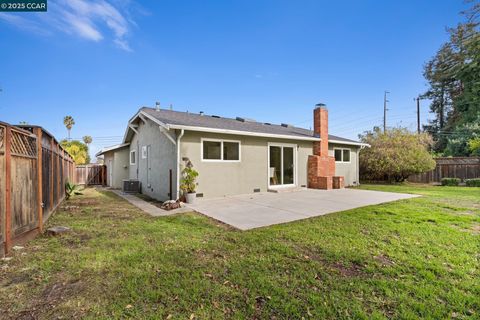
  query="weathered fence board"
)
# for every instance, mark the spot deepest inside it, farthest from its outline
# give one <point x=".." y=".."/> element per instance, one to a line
<point x="33" y="172"/>
<point x="2" y="184"/>
<point x="91" y="174"/>
<point x="454" y="167"/>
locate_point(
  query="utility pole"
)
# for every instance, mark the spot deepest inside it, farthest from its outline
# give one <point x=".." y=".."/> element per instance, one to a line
<point x="418" y="115"/>
<point x="385" y="111"/>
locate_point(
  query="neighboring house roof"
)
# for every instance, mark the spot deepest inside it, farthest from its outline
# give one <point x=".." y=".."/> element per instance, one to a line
<point x="115" y="147"/>
<point x="210" y="123"/>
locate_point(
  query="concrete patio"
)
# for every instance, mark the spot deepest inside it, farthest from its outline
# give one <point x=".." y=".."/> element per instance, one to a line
<point x="264" y="209"/>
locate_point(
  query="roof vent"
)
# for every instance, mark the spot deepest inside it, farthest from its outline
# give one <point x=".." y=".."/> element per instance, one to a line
<point x="214" y="116"/>
<point x="157" y="106"/>
<point x="286" y="125"/>
<point x="201" y="113"/>
<point x="245" y="119"/>
<point x="268" y="123"/>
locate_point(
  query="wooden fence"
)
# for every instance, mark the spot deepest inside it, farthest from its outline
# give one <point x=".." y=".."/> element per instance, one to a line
<point x="457" y="167"/>
<point x="91" y="174"/>
<point x="33" y="172"/>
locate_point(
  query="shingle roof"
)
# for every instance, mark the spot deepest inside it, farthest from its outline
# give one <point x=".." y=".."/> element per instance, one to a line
<point x="210" y="121"/>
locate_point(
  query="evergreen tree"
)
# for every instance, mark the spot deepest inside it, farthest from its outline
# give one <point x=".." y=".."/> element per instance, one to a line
<point x="454" y="84"/>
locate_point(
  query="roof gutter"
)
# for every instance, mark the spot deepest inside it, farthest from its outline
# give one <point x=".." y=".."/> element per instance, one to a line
<point x="352" y="143"/>
<point x="112" y="148"/>
<point x="242" y="133"/>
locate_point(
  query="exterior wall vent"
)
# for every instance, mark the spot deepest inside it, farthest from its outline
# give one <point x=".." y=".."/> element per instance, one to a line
<point x="199" y="195"/>
<point x="256" y="190"/>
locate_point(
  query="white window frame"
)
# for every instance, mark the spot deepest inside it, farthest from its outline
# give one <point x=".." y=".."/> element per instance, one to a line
<point x="221" y="150"/>
<point x="341" y="149"/>
<point x="134" y="158"/>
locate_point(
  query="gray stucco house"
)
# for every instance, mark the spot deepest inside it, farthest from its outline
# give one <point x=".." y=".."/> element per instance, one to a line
<point x="232" y="156"/>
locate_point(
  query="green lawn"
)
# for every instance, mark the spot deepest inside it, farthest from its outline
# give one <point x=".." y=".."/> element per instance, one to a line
<point x="407" y="259"/>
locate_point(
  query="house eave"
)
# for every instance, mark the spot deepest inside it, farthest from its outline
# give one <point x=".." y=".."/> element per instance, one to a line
<point x="242" y="133"/>
<point x="350" y="143"/>
<point x="112" y="148"/>
<point x="141" y="114"/>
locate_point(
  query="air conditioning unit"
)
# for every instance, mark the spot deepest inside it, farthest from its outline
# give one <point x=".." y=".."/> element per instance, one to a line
<point x="131" y="186"/>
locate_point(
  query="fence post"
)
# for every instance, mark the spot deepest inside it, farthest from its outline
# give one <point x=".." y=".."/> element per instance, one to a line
<point x="59" y="197"/>
<point x="39" y="178"/>
<point x="51" y="175"/>
<point x="8" y="186"/>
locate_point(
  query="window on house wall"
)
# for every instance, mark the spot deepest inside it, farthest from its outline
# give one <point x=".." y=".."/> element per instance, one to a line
<point x="212" y="150"/>
<point x="220" y="150"/>
<point x="338" y="155"/>
<point x="342" y="155"/>
<point x="231" y="151"/>
<point x="133" y="157"/>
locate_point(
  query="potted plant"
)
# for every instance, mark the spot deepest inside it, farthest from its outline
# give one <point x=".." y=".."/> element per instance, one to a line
<point x="189" y="184"/>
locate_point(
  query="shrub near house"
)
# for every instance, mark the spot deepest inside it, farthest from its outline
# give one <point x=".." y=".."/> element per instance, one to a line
<point x="395" y="154"/>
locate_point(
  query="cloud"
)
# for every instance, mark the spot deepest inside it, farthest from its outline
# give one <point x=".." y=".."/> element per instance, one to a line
<point x="23" y="23"/>
<point x="92" y="20"/>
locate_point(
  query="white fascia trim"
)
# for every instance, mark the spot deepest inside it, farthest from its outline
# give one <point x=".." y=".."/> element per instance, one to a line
<point x="349" y="143"/>
<point x="242" y="133"/>
<point x="107" y="149"/>
<point x="160" y="123"/>
<point x="142" y="115"/>
<point x="133" y="128"/>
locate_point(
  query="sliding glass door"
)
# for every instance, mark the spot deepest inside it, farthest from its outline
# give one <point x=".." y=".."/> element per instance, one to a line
<point x="281" y="170"/>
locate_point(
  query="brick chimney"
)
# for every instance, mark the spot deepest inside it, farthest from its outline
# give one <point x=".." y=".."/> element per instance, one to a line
<point x="321" y="167"/>
<point x="320" y="128"/>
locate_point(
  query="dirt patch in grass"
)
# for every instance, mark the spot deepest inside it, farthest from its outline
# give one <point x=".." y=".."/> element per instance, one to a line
<point x="352" y="270"/>
<point x="87" y="202"/>
<point x="74" y="240"/>
<point x="384" y="261"/>
<point x="475" y="229"/>
<point x="15" y="280"/>
<point x="60" y="291"/>
<point x="51" y="297"/>
<point x="113" y="214"/>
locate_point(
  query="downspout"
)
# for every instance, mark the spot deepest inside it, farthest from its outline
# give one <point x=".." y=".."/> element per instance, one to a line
<point x="179" y="137"/>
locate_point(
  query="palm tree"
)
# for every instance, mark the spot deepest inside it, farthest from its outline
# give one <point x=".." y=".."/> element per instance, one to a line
<point x="87" y="140"/>
<point x="68" y="122"/>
